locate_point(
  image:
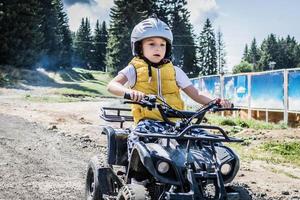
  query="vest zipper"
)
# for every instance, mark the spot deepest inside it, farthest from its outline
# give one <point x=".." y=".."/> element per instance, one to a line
<point x="159" y="89"/>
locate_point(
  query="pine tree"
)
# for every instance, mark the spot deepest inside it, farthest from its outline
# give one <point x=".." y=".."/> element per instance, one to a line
<point x="284" y="52"/>
<point x="100" y="44"/>
<point x="207" y="50"/>
<point x="125" y="14"/>
<point x="288" y="53"/>
<point x="64" y="33"/>
<point x="254" y="55"/>
<point x="269" y="52"/>
<point x="296" y="54"/>
<point x="20" y="36"/>
<point x="221" y="61"/>
<point x="246" y="54"/>
<point x="51" y="45"/>
<point x="184" y="48"/>
<point x="83" y="44"/>
<point x="162" y="9"/>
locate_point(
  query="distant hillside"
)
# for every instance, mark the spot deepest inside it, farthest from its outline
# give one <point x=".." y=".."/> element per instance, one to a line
<point x="75" y="82"/>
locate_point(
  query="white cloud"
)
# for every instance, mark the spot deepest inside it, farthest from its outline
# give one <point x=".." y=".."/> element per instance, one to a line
<point x="267" y="103"/>
<point x="200" y="10"/>
<point x="99" y="10"/>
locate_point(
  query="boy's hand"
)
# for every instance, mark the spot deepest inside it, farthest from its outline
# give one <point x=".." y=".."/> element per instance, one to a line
<point x="226" y="103"/>
<point x="136" y="95"/>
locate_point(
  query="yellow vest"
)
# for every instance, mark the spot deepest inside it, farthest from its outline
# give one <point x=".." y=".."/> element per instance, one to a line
<point x="163" y="83"/>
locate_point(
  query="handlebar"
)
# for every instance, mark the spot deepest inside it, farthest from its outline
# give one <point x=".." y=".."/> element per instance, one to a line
<point x="151" y="102"/>
<point x="166" y="111"/>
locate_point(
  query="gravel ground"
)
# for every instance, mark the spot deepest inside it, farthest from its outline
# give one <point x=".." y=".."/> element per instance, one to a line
<point x="45" y="148"/>
<point x="37" y="163"/>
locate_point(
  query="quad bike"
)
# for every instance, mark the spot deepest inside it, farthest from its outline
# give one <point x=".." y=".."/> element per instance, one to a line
<point x="186" y="162"/>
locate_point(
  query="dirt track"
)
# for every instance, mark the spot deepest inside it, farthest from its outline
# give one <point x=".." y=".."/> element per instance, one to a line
<point x="40" y="164"/>
<point x="35" y="162"/>
<point x="45" y="148"/>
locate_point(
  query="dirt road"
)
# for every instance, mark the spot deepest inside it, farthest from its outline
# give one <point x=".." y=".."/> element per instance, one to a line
<point x="45" y="148"/>
<point x="40" y="164"/>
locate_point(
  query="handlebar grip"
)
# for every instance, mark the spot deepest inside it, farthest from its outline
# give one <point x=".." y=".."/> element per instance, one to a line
<point x="127" y="96"/>
<point x="218" y="101"/>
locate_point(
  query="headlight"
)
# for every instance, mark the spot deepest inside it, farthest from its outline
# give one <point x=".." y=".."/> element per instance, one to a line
<point x="162" y="167"/>
<point x="226" y="169"/>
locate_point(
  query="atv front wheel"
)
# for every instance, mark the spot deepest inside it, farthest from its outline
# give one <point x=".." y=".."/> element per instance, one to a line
<point x="93" y="184"/>
<point x="133" y="192"/>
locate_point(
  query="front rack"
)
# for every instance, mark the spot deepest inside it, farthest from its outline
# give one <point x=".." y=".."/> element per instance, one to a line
<point x="110" y="114"/>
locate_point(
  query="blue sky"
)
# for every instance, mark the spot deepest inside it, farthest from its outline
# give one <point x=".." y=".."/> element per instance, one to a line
<point x="239" y="20"/>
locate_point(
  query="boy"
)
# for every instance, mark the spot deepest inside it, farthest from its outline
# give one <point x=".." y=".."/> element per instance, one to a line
<point x="152" y="72"/>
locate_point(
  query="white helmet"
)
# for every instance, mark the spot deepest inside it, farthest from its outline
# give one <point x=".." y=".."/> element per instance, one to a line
<point x="151" y="27"/>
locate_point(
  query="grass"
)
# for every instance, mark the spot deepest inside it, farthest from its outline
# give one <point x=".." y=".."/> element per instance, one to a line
<point x="280" y="171"/>
<point x="63" y="85"/>
<point x="2" y="79"/>
<point x="279" y="152"/>
<point x="243" y="123"/>
<point x="254" y="149"/>
<point x="290" y="150"/>
<point x="50" y="98"/>
<point x="82" y="83"/>
<point x="66" y="85"/>
<point x="5" y="78"/>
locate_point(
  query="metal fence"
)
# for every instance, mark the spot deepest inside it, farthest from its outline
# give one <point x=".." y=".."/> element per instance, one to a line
<point x="277" y="91"/>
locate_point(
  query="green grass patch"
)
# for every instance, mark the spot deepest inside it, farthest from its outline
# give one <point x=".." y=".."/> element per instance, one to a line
<point x="2" y="79"/>
<point x="51" y="99"/>
<point x="280" y="171"/>
<point x="80" y="83"/>
<point x="83" y="89"/>
<point x="243" y="123"/>
<point x="280" y="152"/>
<point x="5" y="78"/>
<point x="69" y="85"/>
<point x="75" y="74"/>
<point x="289" y="150"/>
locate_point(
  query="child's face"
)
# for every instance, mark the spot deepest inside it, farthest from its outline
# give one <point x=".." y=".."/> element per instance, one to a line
<point x="154" y="49"/>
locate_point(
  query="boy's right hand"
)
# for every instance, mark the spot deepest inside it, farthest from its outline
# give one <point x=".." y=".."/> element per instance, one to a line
<point x="136" y="95"/>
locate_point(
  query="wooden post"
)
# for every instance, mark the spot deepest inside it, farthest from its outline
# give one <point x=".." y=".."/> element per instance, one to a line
<point x="249" y="96"/>
<point x="285" y="96"/>
<point x="222" y="89"/>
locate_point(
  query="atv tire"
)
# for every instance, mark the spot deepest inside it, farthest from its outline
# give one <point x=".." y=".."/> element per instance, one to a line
<point x="241" y="190"/>
<point x="133" y="192"/>
<point x="93" y="183"/>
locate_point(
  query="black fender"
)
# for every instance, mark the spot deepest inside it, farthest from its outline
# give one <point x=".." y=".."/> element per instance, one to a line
<point x="142" y="163"/>
<point x="117" y="146"/>
<point x="223" y="153"/>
